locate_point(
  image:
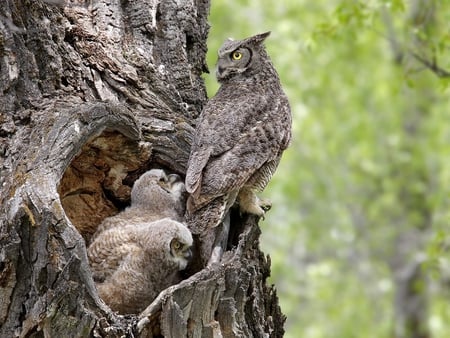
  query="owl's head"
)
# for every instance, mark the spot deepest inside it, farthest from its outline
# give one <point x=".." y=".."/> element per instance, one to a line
<point x="157" y="192"/>
<point x="180" y="246"/>
<point x="167" y="240"/>
<point x="241" y="57"/>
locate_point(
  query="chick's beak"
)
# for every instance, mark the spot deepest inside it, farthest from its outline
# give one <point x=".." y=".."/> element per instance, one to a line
<point x="188" y="254"/>
<point x="173" y="178"/>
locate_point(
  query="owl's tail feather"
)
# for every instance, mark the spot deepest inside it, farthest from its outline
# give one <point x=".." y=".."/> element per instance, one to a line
<point x="211" y="244"/>
<point x="209" y="215"/>
<point x="210" y="224"/>
<point x="221" y="241"/>
<point x="206" y="217"/>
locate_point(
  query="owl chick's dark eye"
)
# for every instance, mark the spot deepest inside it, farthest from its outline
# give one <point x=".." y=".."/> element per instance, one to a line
<point x="236" y="55"/>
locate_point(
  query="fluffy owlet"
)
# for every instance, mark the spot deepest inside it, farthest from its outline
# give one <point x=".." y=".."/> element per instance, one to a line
<point x="132" y="264"/>
<point x="154" y="196"/>
<point x="240" y="135"/>
<point x="137" y="253"/>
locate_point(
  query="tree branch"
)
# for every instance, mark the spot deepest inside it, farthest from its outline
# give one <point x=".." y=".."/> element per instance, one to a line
<point x="432" y="65"/>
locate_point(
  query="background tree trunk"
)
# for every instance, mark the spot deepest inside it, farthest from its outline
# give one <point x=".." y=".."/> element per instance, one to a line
<point x="93" y="94"/>
<point x="407" y="264"/>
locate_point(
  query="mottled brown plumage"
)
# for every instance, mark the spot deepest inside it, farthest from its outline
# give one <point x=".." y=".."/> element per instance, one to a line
<point x="137" y="253"/>
<point x="154" y="196"/>
<point x="240" y="136"/>
<point x="241" y="132"/>
<point x="132" y="264"/>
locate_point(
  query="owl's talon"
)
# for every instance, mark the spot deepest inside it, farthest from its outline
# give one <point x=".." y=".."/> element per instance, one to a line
<point x="251" y="204"/>
<point x="266" y="205"/>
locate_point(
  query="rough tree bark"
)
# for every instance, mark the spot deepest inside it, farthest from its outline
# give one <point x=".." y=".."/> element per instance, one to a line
<point x="93" y="94"/>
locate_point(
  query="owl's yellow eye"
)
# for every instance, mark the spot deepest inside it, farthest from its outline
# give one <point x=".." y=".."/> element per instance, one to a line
<point x="176" y="245"/>
<point x="236" y="55"/>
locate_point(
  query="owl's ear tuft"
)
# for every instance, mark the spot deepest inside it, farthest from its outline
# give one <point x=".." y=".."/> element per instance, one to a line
<point x="259" y="37"/>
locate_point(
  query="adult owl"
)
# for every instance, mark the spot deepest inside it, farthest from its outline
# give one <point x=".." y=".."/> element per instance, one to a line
<point x="132" y="264"/>
<point x="154" y="196"/>
<point x="240" y="136"/>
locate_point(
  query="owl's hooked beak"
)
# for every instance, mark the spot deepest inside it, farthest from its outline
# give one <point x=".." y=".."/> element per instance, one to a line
<point x="188" y="254"/>
<point x="220" y="72"/>
<point x="171" y="182"/>
<point x="173" y="178"/>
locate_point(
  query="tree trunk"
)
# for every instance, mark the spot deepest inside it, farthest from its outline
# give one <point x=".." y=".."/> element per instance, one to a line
<point x="94" y="93"/>
<point x="407" y="263"/>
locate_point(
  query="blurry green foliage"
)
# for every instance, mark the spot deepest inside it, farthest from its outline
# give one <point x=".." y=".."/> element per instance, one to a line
<point x="369" y="159"/>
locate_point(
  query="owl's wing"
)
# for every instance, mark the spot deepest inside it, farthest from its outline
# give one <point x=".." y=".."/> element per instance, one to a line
<point x="197" y="161"/>
<point x="250" y="135"/>
<point x="108" y="251"/>
<point x="218" y="130"/>
<point x="234" y="168"/>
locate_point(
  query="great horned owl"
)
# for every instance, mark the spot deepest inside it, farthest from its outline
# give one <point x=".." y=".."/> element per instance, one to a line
<point x="154" y="196"/>
<point x="240" y="135"/>
<point x="132" y="264"/>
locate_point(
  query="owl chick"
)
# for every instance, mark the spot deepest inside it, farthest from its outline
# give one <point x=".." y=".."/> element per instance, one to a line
<point x="132" y="264"/>
<point x="240" y="135"/>
<point x="154" y="196"/>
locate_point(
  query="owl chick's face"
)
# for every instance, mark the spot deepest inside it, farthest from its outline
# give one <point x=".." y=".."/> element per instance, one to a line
<point x="166" y="240"/>
<point x="180" y="251"/>
<point x="155" y="187"/>
<point x="240" y="57"/>
<point x="178" y="242"/>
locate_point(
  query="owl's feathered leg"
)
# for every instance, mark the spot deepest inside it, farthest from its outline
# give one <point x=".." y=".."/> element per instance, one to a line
<point x="251" y="204"/>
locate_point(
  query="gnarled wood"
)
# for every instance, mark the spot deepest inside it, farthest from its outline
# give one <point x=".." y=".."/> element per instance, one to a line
<point x="229" y="299"/>
<point x="93" y="94"/>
